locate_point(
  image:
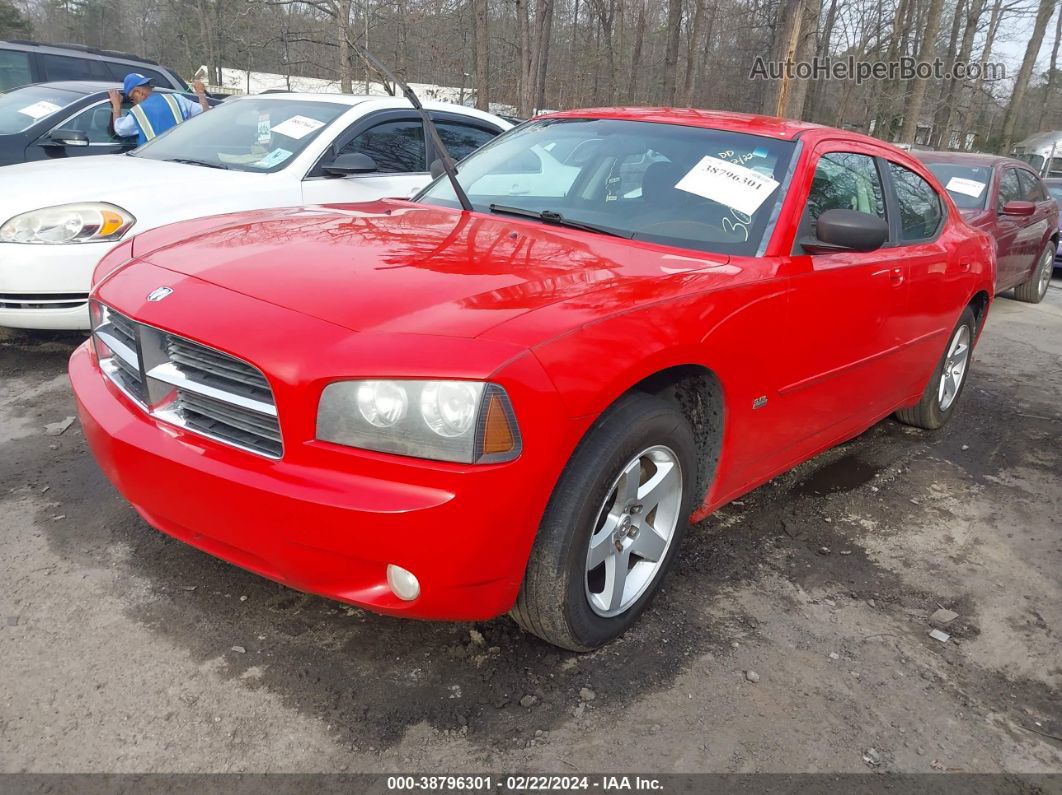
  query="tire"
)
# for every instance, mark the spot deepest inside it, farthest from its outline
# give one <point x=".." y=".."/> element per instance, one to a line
<point x="939" y="399"/>
<point x="1034" y="290"/>
<point x="650" y="439"/>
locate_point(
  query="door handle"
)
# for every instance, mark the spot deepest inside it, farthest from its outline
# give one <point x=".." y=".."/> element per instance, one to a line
<point x="896" y="277"/>
<point x="964" y="267"/>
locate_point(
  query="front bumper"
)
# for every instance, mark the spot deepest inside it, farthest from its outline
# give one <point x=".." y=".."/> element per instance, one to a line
<point x="464" y="532"/>
<point x="46" y="287"/>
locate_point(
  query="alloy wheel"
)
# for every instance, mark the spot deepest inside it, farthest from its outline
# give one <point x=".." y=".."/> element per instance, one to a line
<point x="633" y="530"/>
<point x="955" y="364"/>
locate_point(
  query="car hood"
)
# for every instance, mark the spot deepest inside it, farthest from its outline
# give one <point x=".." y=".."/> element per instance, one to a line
<point x="141" y="186"/>
<point x="393" y="266"/>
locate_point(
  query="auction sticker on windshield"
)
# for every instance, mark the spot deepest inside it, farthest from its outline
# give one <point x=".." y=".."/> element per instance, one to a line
<point x="969" y="187"/>
<point x="38" y="110"/>
<point x="297" y="127"/>
<point x="273" y="158"/>
<point x="734" y="186"/>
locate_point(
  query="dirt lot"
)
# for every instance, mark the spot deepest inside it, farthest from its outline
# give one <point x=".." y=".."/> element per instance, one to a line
<point x="124" y="650"/>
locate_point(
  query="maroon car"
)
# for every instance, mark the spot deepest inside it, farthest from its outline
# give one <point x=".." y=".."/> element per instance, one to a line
<point x="1006" y="198"/>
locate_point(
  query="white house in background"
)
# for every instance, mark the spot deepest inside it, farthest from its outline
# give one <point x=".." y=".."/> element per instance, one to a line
<point x="240" y="81"/>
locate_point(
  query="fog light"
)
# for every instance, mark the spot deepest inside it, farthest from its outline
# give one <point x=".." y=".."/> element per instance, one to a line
<point x="404" y="584"/>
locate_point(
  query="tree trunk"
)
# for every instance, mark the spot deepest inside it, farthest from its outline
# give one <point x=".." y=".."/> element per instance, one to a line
<point x="955" y="90"/>
<point x="636" y="54"/>
<point x="1049" y="91"/>
<point x="819" y="87"/>
<point x="674" y="32"/>
<point x="692" y="59"/>
<point x="972" y="120"/>
<point x="1021" y="83"/>
<point x="807" y="46"/>
<point x="524" y="80"/>
<point x="545" y="34"/>
<point x="482" y="54"/>
<point x="941" y="114"/>
<point x="913" y="107"/>
<point x="346" y="70"/>
<point x="786" y="36"/>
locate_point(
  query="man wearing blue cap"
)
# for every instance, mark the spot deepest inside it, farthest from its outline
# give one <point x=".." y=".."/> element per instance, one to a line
<point x="152" y="113"/>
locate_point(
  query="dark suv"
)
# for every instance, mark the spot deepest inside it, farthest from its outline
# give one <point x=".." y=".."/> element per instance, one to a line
<point x="23" y="62"/>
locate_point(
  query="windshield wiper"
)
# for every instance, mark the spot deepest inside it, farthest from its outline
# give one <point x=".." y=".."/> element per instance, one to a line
<point x="190" y="162"/>
<point x="555" y="218"/>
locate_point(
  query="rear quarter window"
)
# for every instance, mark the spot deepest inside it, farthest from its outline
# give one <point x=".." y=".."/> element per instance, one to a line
<point x="920" y="207"/>
<point x="14" y="69"/>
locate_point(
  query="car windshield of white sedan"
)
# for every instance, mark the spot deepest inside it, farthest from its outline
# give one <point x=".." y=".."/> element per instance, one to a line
<point x="692" y="187"/>
<point x="967" y="185"/>
<point x="24" y="107"/>
<point x="258" y="134"/>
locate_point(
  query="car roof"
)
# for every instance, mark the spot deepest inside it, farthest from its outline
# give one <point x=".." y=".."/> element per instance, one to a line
<point x="740" y="122"/>
<point x="80" y="49"/>
<point x="377" y="101"/>
<point x="968" y="159"/>
<point x="77" y="86"/>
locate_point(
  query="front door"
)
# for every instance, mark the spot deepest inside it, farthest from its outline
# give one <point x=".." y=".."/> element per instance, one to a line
<point x="395" y="141"/>
<point x="95" y="122"/>
<point x="845" y="311"/>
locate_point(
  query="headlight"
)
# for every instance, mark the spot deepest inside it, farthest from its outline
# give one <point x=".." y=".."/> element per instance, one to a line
<point x="468" y="422"/>
<point x="93" y="222"/>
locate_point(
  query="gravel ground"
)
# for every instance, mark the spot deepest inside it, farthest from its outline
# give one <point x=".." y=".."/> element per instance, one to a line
<point x="793" y="635"/>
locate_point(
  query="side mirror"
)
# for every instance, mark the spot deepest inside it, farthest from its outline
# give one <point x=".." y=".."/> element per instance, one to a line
<point x="847" y="230"/>
<point x="1021" y="209"/>
<point x="67" y="138"/>
<point x="437" y="168"/>
<point x="350" y="163"/>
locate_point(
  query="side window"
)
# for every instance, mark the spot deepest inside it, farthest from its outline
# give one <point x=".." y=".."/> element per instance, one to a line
<point x="118" y="71"/>
<point x="921" y="210"/>
<point x="1032" y="190"/>
<point x="60" y="67"/>
<point x="396" y="146"/>
<point x="1009" y="188"/>
<point x="95" y="122"/>
<point x="14" y="69"/>
<point x="461" y="140"/>
<point x="845" y="181"/>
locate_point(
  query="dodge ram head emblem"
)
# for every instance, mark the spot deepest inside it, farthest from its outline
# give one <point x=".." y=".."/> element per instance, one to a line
<point x="159" y="293"/>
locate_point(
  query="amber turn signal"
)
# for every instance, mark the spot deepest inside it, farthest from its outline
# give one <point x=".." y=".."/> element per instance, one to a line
<point x="497" y="435"/>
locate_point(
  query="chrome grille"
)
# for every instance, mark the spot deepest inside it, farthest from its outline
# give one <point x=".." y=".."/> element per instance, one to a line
<point x="188" y="384"/>
<point x="217" y="369"/>
<point x="42" y="300"/>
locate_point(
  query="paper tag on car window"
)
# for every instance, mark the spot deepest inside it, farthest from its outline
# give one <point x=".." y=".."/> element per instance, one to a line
<point x="729" y="184"/>
<point x="38" y="110"/>
<point x="264" y="131"/>
<point x="298" y="127"/>
<point x="969" y="187"/>
<point x="273" y="158"/>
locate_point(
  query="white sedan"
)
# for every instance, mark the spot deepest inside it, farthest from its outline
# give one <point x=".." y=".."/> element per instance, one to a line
<point x="59" y="217"/>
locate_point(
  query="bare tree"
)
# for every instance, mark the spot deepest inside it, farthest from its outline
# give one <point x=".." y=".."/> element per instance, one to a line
<point x="1021" y="82"/>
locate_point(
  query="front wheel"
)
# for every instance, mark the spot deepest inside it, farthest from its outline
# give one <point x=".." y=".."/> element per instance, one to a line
<point x="1034" y="290"/>
<point x="945" y="385"/>
<point x="612" y="527"/>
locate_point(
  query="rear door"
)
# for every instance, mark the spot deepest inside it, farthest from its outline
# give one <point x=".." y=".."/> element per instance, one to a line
<point x="1037" y="227"/>
<point x="928" y="312"/>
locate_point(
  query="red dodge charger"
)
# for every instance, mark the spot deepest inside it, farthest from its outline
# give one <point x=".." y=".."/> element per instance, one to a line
<point x="444" y="413"/>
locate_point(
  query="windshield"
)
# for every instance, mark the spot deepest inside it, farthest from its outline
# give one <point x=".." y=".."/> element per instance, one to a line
<point x="24" y="107"/>
<point x="255" y="134"/>
<point x="967" y="185"/>
<point x="705" y="189"/>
